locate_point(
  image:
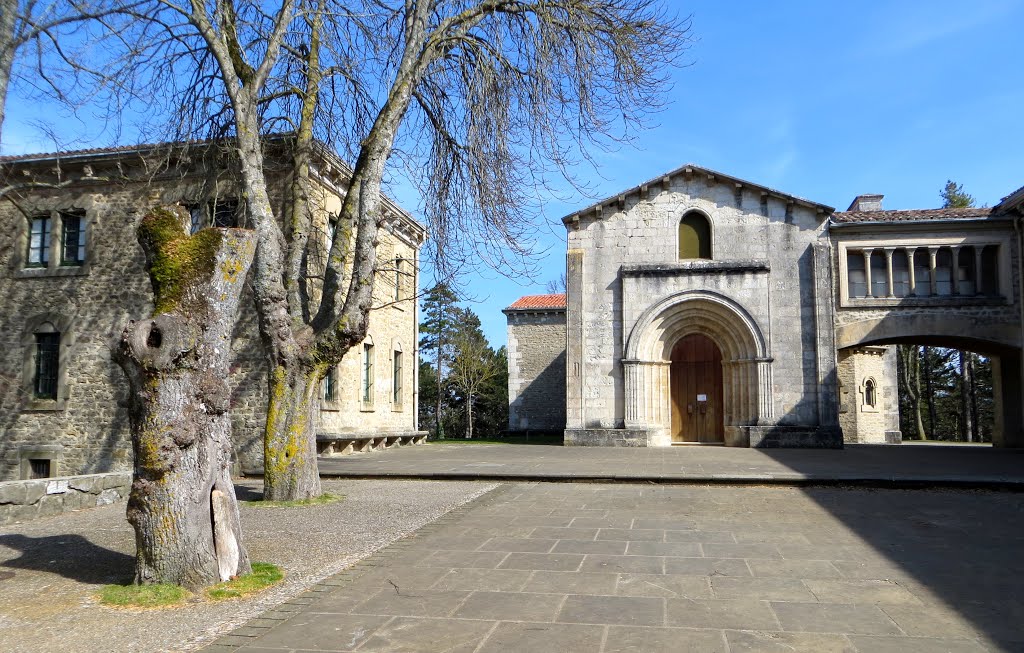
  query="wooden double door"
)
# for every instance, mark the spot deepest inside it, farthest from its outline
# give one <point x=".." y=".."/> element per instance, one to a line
<point x="696" y="385"/>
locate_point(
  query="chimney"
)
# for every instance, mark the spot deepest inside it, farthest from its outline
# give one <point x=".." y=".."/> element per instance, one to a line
<point x="866" y="203"/>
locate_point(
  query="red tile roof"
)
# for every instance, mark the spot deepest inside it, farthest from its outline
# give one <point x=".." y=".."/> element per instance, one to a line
<point x="538" y="301"/>
<point x="913" y="214"/>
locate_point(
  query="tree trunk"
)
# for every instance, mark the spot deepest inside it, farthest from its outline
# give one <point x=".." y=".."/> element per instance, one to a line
<point x="182" y="502"/>
<point x="911" y="369"/>
<point x="289" y="449"/>
<point x="929" y="391"/>
<point x="965" y="396"/>
<point x="469" y="417"/>
<point x="8" y="18"/>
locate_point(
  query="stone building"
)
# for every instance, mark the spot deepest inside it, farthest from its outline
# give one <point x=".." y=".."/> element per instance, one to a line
<point x="703" y="308"/>
<point x="536" y="355"/>
<point x="72" y="274"/>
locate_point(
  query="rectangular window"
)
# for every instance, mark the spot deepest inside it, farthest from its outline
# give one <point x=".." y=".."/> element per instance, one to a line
<point x="39" y="242"/>
<point x="47" y="364"/>
<point x="858" y="284"/>
<point x="396" y="379"/>
<point x="331" y="385"/>
<point x="38" y="468"/>
<point x="72" y="239"/>
<point x="225" y="214"/>
<point x="367" y="374"/>
<point x="398" y="278"/>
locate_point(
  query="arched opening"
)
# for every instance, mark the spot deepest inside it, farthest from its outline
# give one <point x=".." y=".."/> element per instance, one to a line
<point x="694" y="236"/>
<point x="696" y="387"/>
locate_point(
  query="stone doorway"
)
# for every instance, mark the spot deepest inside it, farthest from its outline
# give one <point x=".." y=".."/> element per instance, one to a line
<point x="696" y="382"/>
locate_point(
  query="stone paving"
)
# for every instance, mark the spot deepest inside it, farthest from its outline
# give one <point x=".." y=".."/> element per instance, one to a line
<point x="590" y="567"/>
<point x="882" y="465"/>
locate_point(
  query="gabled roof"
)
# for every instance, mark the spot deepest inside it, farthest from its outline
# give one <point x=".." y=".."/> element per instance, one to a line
<point x="1014" y="200"/>
<point x="712" y="175"/>
<point x="538" y="302"/>
<point x="911" y="215"/>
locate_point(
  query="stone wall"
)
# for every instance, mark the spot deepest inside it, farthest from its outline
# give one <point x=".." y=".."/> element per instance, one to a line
<point x="26" y="500"/>
<point x="536" y="381"/>
<point x="85" y="430"/>
<point x="861" y="421"/>
<point x="765" y="248"/>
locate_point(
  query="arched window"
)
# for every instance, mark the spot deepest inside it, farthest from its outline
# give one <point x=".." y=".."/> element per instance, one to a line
<point x="870" y="393"/>
<point x="694" y="236"/>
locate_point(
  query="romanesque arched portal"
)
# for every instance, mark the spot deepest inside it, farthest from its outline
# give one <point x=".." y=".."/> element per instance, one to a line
<point x="746" y="366"/>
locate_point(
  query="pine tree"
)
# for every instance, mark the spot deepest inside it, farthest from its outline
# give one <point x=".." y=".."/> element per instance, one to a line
<point x="954" y="197"/>
<point x="437" y="342"/>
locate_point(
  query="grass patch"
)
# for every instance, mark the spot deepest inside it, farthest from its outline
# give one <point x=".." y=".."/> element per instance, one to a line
<point x="143" y="596"/>
<point x="321" y="500"/>
<point x="263" y="576"/>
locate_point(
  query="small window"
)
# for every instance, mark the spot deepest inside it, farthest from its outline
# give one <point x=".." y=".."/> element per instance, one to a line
<point x="39" y="242"/>
<point x="398" y="278"/>
<point x="879" y="275"/>
<point x="367" y="392"/>
<point x="332" y="232"/>
<point x="38" y="468"/>
<point x="47" y="365"/>
<point x="331" y="385"/>
<point x="694" y="236"/>
<point x="225" y="214"/>
<point x="944" y="272"/>
<point x="870" y="398"/>
<point x="72" y="239"/>
<point x="900" y="273"/>
<point x="396" y="379"/>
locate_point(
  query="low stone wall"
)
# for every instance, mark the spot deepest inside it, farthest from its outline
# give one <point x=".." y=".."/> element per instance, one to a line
<point x="26" y="500"/>
<point x="771" y="437"/>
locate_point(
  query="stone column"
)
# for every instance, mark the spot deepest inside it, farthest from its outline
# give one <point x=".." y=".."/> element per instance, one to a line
<point x="954" y="273"/>
<point x="888" y="272"/>
<point x="647" y="394"/>
<point x="867" y="271"/>
<point x="911" y="251"/>
<point x="1006" y="388"/>
<point x="932" y="252"/>
<point x="977" y="271"/>
<point x="764" y="411"/>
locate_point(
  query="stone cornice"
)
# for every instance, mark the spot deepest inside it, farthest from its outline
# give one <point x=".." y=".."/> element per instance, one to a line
<point x="742" y="266"/>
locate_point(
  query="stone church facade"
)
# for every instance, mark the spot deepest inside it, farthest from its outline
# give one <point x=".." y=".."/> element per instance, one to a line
<point x="703" y="308"/>
<point x="72" y="275"/>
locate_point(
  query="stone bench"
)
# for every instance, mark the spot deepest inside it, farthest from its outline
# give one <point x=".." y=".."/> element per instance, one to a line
<point x="341" y="444"/>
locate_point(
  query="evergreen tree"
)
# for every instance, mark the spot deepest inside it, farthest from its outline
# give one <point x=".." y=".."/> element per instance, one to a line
<point x="954" y="197"/>
<point x="437" y="343"/>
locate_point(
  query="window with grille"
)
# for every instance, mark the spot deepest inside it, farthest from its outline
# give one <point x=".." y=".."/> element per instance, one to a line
<point x="331" y="385"/>
<point x="39" y="242"/>
<point x="396" y="378"/>
<point x="38" y="468"/>
<point x="72" y="239"/>
<point x="47" y="365"/>
<point x="367" y="374"/>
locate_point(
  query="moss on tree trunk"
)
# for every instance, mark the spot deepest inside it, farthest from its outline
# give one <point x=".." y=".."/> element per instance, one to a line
<point x="182" y="504"/>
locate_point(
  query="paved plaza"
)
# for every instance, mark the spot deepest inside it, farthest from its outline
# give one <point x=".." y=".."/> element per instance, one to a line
<point x="880" y="465"/>
<point x="591" y="567"/>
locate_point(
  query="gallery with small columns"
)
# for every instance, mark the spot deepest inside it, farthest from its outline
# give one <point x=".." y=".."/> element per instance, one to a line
<point x="705" y="309"/>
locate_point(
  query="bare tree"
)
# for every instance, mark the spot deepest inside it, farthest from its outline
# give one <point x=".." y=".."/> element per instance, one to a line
<point x="45" y="29"/>
<point x="477" y="102"/>
<point x="182" y="503"/>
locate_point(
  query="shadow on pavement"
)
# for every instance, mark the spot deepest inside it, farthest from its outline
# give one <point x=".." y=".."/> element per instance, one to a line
<point x="71" y="556"/>
<point x="966" y="547"/>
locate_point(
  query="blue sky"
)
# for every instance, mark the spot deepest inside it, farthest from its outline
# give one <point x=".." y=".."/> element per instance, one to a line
<point x="817" y="99"/>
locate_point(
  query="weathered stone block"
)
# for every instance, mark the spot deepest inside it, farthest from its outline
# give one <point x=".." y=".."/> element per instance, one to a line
<point x="14" y="492"/>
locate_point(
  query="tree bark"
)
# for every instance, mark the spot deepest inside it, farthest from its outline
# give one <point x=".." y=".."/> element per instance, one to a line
<point x="289" y="444"/>
<point x="8" y="19"/>
<point x="929" y="390"/>
<point x="911" y="369"/>
<point x="965" y="396"/>
<point x="182" y="503"/>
